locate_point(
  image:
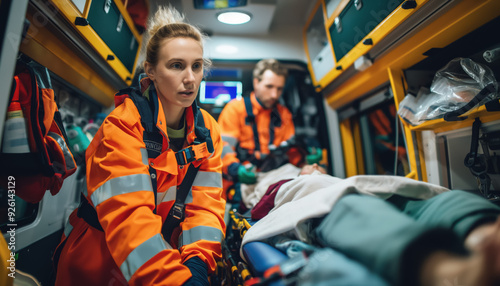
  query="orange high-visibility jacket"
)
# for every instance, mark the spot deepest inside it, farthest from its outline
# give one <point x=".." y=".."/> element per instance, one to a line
<point x="131" y="250"/>
<point x="236" y="132"/>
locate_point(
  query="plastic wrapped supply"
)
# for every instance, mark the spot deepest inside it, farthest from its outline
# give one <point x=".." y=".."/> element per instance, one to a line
<point x="457" y="88"/>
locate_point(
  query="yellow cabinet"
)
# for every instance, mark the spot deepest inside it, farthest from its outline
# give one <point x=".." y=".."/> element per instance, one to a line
<point x="107" y="26"/>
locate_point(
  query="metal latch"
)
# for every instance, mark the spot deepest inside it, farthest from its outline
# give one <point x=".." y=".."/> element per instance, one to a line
<point x="338" y="25"/>
<point x="107" y="6"/>
<point x="358" y="4"/>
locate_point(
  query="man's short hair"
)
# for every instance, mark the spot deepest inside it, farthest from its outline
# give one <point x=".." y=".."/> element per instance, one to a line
<point x="269" y="64"/>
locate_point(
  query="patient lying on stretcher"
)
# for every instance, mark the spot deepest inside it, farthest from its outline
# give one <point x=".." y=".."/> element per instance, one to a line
<point x="406" y="231"/>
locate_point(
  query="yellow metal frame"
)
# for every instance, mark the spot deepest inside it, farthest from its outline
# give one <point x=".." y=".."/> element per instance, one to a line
<point x="395" y="18"/>
<point x="358" y="146"/>
<point x="50" y="51"/>
<point x="463" y="18"/>
<point x="348" y="146"/>
<point x="330" y="20"/>
<point x="398" y="88"/>
<point x="458" y="21"/>
<point x="304" y="38"/>
<point x="70" y="12"/>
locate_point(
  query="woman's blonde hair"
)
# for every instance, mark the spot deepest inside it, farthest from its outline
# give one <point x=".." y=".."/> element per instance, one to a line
<point x="168" y="23"/>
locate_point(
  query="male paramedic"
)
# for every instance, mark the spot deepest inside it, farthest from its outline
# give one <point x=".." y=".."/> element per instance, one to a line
<point x="254" y="126"/>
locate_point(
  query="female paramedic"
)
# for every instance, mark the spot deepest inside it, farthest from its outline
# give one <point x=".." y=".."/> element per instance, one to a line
<point x="139" y="172"/>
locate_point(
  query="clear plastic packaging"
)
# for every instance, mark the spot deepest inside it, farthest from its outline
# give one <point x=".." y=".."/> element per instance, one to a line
<point x="453" y="87"/>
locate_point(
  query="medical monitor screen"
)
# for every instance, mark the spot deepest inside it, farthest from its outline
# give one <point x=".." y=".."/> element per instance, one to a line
<point x="219" y="92"/>
<point x="218" y="4"/>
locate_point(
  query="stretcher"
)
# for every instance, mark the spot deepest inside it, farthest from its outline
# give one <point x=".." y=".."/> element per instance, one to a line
<point x="261" y="263"/>
<point x="273" y="258"/>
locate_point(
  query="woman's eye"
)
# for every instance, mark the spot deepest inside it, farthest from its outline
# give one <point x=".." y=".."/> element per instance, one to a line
<point x="176" y="65"/>
<point x="197" y="66"/>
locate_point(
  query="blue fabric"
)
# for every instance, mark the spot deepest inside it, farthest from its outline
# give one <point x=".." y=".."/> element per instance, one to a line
<point x="295" y="247"/>
<point x="199" y="270"/>
<point x="328" y="267"/>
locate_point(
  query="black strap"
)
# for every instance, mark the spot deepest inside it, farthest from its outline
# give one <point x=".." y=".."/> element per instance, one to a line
<point x="176" y="214"/>
<point x="454" y="115"/>
<point x="274" y="122"/>
<point x="250" y="119"/>
<point x="88" y="213"/>
<point x="470" y="158"/>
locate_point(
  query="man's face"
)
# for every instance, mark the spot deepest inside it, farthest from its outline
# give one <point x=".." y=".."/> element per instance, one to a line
<point x="268" y="90"/>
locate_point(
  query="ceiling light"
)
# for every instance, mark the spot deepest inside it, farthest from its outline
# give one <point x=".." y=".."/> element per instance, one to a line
<point x="226" y="49"/>
<point x="234" y="18"/>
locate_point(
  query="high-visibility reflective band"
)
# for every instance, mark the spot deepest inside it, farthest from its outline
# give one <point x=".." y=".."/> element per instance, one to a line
<point x="208" y="179"/>
<point x="200" y="233"/>
<point x="169" y="195"/>
<point x="68" y="159"/>
<point x="144" y="156"/>
<point x="230" y="140"/>
<point x="141" y="254"/>
<point x="202" y="179"/>
<point x="67" y="228"/>
<point x="226" y="150"/>
<point x="121" y="185"/>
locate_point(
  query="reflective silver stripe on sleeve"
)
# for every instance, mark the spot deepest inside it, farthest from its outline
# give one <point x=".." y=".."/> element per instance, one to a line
<point x="144" y="156"/>
<point x="204" y="179"/>
<point x="200" y="233"/>
<point x="68" y="159"/>
<point x="168" y="195"/>
<point x="121" y="185"/>
<point x="226" y="150"/>
<point x="141" y="254"/>
<point x="208" y="179"/>
<point x="230" y="140"/>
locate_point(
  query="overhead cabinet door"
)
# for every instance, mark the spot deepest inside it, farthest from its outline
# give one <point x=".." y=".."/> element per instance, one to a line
<point x="356" y="20"/>
<point x="106" y="20"/>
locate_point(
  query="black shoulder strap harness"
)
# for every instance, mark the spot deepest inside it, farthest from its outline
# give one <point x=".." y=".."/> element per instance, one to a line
<point x="148" y="109"/>
<point x="250" y="120"/>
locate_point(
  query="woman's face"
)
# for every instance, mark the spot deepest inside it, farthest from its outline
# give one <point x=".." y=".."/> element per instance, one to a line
<point x="178" y="73"/>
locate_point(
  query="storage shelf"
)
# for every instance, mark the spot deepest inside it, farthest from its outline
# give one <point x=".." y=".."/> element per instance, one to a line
<point x="461" y="19"/>
<point x="440" y="125"/>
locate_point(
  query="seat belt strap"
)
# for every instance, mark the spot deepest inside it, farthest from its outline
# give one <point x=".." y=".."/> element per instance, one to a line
<point x="251" y="120"/>
<point x="176" y="214"/>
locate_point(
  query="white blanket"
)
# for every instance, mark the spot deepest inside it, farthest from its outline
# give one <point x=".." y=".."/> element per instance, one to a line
<point x="312" y="196"/>
<point x="251" y="194"/>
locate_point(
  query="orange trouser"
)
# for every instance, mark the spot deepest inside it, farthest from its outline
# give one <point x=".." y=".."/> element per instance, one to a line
<point x="85" y="258"/>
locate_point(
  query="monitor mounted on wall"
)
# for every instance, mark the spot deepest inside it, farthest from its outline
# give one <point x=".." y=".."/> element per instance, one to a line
<point x="219" y="93"/>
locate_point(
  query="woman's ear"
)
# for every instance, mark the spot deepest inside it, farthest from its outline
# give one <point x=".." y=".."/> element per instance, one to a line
<point x="149" y="70"/>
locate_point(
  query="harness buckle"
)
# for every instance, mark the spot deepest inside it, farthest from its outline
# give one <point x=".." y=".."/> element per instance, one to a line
<point x="200" y="150"/>
<point x="185" y="156"/>
<point x="177" y="211"/>
<point x="192" y="153"/>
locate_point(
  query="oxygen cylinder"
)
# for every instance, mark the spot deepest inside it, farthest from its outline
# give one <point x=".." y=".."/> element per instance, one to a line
<point x="15" y="136"/>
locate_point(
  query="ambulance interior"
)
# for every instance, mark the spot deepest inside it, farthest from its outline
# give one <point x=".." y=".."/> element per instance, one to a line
<point x="351" y="65"/>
